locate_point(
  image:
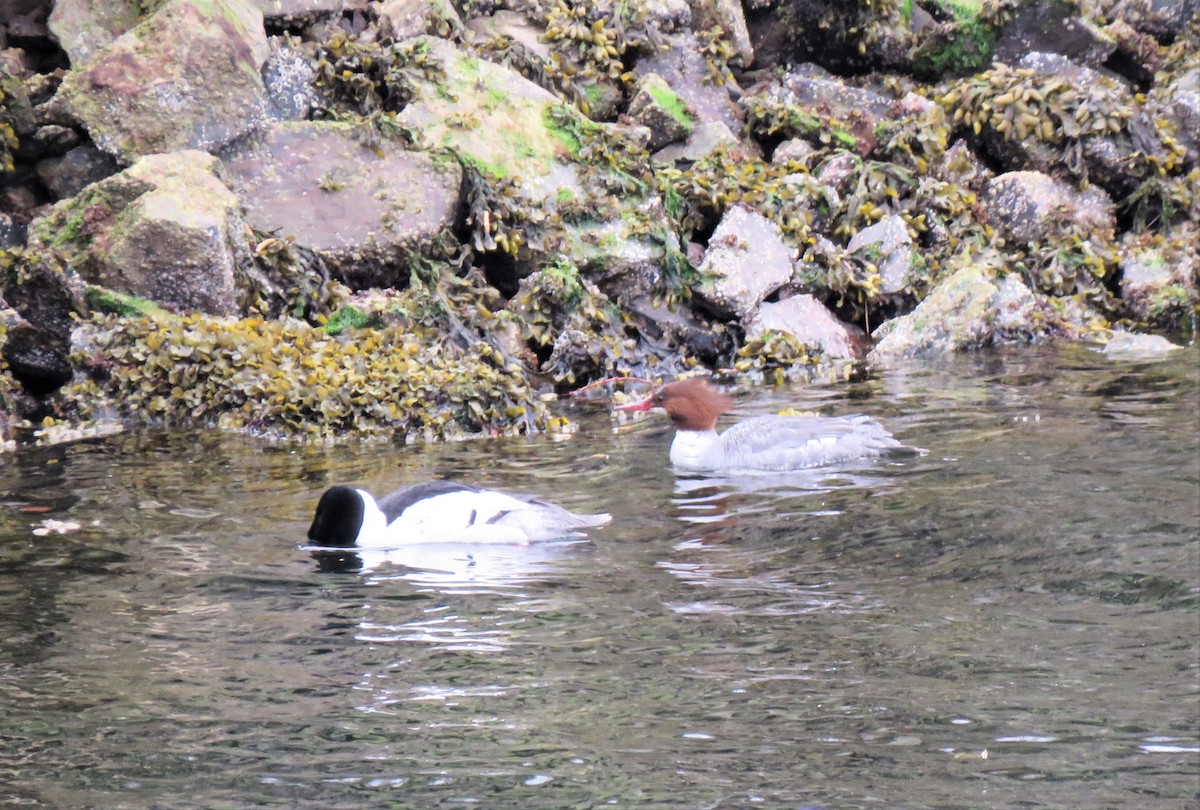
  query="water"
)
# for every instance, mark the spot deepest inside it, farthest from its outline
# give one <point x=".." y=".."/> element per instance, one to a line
<point x="1010" y="620"/>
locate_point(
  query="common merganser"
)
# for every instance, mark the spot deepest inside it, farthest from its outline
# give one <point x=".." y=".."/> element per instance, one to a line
<point x="439" y="511"/>
<point x="763" y="443"/>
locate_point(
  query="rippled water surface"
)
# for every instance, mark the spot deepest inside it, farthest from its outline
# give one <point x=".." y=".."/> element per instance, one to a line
<point x="1010" y="620"/>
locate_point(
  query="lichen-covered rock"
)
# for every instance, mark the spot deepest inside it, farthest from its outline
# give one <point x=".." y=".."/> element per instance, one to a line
<point x="187" y="77"/>
<point x="84" y="27"/>
<point x="1065" y="237"/>
<point x="543" y="179"/>
<point x="968" y="310"/>
<point x="364" y="203"/>
<point x="654" y="105"/>
<point x="166" y="229"/>
<point x="1160" y="278"/>
<point x="747" y="260"/>
<point x="810" y="322"/>
<point x="682" y="65"/>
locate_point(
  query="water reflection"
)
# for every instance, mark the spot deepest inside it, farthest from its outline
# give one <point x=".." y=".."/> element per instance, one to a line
<point x="858" y="639"/>
<point x="453" y="567"/>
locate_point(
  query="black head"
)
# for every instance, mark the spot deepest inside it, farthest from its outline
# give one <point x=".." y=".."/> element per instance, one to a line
<point x="339" y="517"/>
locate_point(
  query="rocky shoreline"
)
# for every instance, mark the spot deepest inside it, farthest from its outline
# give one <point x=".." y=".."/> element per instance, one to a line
<point x="414" y="219"/>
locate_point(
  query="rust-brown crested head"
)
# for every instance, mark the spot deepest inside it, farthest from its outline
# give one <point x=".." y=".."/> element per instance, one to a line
<point x="692" y="404"/>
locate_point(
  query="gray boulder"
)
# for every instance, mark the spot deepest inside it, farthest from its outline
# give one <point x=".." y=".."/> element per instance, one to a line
<point x="165" y="229"/>
<point x="1032" y="207"/>
<point x="364" y="205"/>
<point x="887" y="243"/>
<point x="747" y="260"/>
<point x="968" y="310"/>
<point x="811" y="323"/>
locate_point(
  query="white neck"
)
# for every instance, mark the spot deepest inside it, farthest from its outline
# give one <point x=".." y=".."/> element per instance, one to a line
<point x="691" y="449"/>
<point x="374" y="523"/>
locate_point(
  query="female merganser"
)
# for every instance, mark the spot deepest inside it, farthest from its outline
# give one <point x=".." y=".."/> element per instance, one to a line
<point x="439" y="511"/>
<point x="764" y="443"/>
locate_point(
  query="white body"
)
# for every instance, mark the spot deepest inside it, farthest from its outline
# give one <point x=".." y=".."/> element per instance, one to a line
<point x="780" y="443"/>
<point x="469" y="517"/>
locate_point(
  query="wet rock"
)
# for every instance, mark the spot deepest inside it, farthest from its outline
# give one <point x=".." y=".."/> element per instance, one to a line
<point x="1052" y="27"/>
<point x="970" y="37"/>
<point x="706" y="140"/>
<point x="165" y="229"/>
<point x="187" y="77"/>
<point x="364" y="203"/>
<point x="968" y="310"/>
<point x="811" y="323"/>
<point x="1132" y="346"/>
<point x="66" y="176"/>
<point x="853" y="37"/>
<point x="1159" y="278"/>
<point x="37" y="341"/>
<point x="887" y="243"/>
<point x="681" y="65"/>
<point x="678" y="333"/>
<point x="1163" y="19"/>
<point x="1033" y="207"/>
<point x="654" y="105"/>
<point x="748" y="260"/>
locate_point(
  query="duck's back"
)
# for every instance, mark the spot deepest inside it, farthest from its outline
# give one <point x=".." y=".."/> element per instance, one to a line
<point x="797" y="442"/>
